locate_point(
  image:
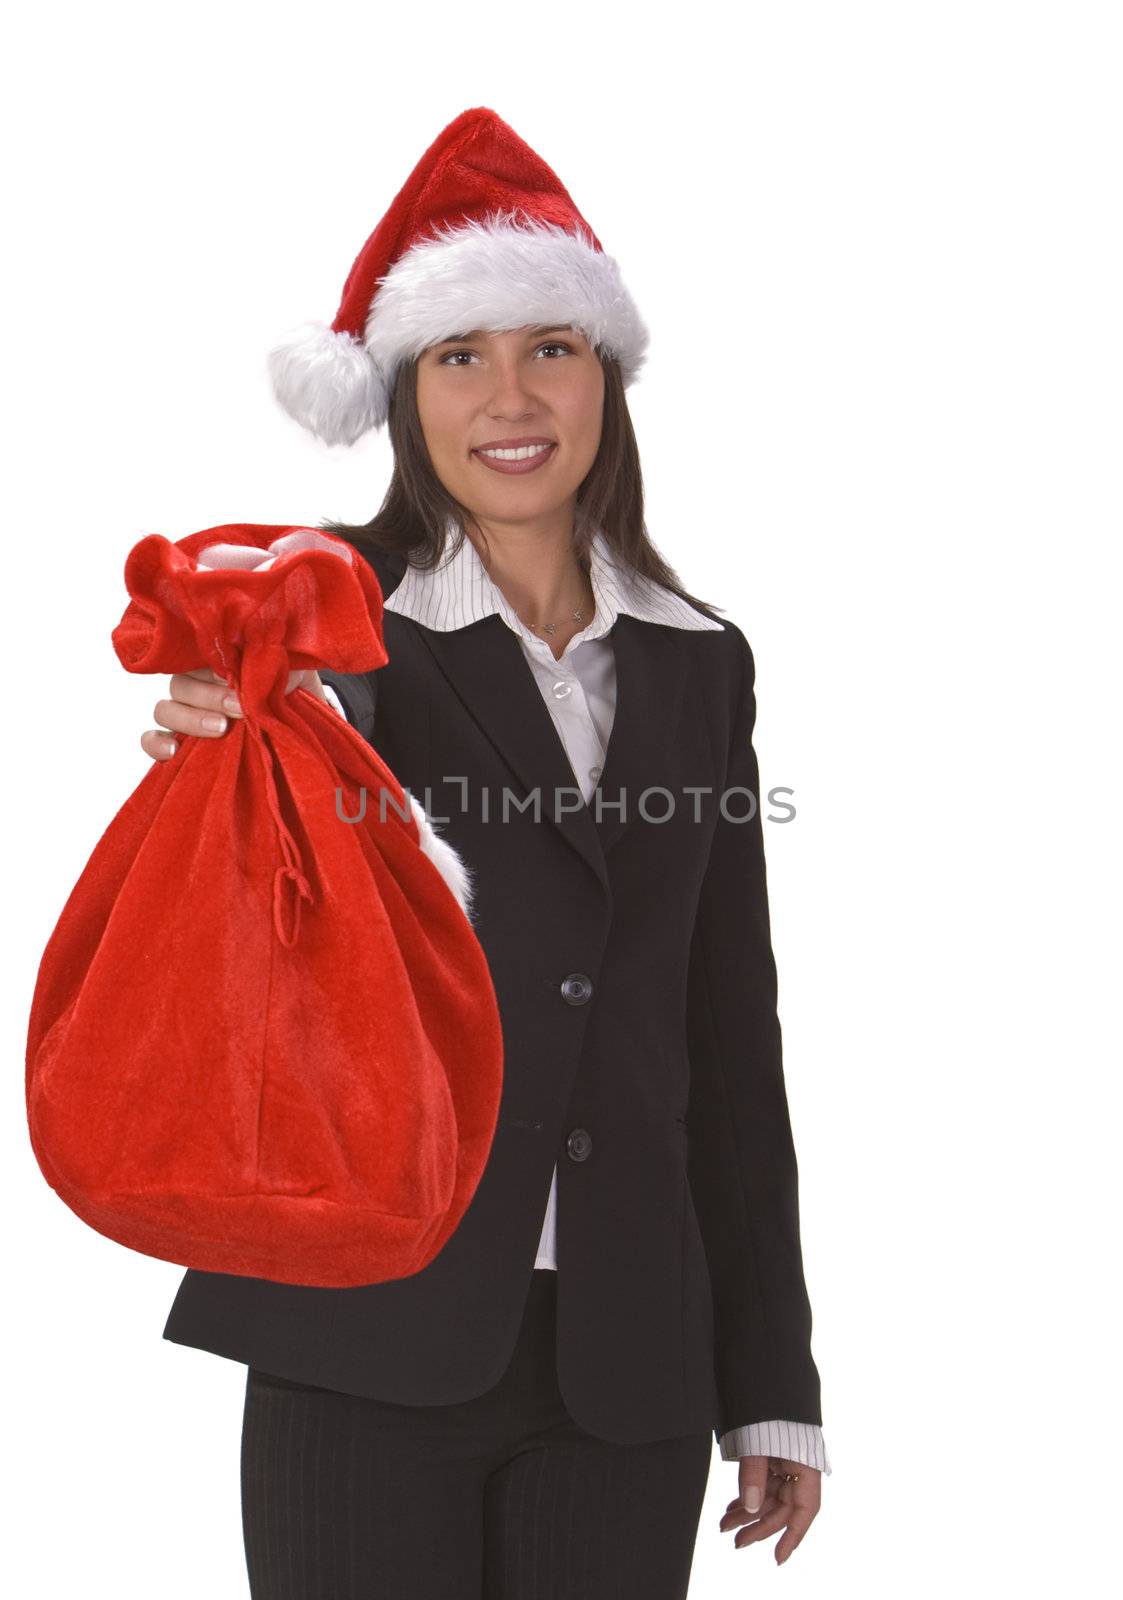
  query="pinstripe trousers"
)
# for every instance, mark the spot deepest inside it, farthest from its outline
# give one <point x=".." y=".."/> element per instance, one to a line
<point x="503" y="1497"/>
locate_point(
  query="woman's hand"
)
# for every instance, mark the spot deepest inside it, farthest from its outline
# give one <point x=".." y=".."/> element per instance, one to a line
<point x="201" y="703"/>
<point x="791" y="1506"/>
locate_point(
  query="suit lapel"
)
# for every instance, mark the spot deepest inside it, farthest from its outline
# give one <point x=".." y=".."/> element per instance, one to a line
<point x="652" y="663"/>
<point x="487" y="670"/>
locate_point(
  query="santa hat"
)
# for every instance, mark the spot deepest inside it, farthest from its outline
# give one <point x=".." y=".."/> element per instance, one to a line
<point x="481" y="235"/>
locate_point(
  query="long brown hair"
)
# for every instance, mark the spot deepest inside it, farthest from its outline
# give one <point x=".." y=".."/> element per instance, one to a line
<point x="417" y="509"/>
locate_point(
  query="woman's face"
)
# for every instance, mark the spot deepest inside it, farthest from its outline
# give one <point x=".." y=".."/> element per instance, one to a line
<point x="545" y="385"/>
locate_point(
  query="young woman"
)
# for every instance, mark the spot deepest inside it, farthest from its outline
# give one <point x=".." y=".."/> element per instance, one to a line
<point x="531" y="1415"/>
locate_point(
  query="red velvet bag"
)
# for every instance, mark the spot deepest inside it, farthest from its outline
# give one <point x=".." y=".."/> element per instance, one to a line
<point x="264" y="1039"/>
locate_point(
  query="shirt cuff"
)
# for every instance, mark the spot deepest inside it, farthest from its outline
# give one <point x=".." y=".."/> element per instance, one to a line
<point x="334" y="700"/>
<point x="789" y="1441"/>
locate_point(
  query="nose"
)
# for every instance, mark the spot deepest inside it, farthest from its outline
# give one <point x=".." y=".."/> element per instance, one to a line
<point x="510" y="395"/>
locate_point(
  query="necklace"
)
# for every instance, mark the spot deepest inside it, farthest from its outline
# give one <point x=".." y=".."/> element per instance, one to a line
<point x="552" y="627"/>
<point x="577" y="615"/>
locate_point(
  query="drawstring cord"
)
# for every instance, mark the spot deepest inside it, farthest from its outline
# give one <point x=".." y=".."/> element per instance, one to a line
<point x="292" y="872"/>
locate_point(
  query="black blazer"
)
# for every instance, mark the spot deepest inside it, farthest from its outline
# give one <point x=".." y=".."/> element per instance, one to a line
<point x="633" y="967"/>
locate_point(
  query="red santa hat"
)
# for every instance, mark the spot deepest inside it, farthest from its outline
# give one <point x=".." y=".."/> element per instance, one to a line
<point x="481" y="235"/>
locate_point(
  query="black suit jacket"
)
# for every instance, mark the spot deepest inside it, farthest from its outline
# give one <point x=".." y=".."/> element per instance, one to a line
<point x="633" y="967"/>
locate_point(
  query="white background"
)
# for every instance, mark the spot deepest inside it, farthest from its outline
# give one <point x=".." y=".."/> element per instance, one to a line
<point x="878" y="247"/>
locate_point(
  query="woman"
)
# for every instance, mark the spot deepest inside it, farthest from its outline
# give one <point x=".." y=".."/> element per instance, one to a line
<point x="531" y="1415"/>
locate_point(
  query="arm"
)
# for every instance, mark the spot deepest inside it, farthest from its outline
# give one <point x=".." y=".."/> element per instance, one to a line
<point x="742" y="1164"/>
<point x="354" y="697"/>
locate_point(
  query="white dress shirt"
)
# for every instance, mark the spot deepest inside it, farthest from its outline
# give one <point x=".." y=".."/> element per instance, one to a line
<point x="579" y="690"/>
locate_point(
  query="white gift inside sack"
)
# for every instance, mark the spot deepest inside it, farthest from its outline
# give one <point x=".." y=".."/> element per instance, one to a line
<point x="251" y="558"/>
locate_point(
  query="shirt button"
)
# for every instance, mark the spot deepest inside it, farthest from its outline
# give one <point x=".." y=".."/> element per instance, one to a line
<point x="578" y="1144"/>
<point x="562" y="690"/>
<point x="595" y="772"/>
<point x="576" y="988"/>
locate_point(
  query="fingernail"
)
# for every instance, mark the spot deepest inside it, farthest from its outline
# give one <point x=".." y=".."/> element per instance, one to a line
<point x="751" y="1499"/>
<point x="171" y="747"/>
<point x="215" y="722"/>
<point x="231" y="704"/>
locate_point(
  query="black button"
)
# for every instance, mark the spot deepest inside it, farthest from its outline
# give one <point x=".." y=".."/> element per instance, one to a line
<point x="576" y="988"/>
<point x="579" y="1144"/>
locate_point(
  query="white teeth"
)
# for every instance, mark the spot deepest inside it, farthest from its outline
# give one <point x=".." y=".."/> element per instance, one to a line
<point x="521" y="454"/>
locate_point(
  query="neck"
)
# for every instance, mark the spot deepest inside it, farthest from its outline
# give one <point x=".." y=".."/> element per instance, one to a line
<point x="538" y="574"/>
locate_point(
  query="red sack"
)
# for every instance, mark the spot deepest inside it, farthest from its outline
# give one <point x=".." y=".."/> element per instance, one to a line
<point x="264" y="1040"/>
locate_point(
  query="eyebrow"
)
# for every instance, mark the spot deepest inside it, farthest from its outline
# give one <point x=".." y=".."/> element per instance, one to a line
<point x="478" y="333"/>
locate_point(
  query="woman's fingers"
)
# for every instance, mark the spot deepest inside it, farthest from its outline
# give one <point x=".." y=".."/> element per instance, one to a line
<point x="735" y="1515"/>
<point x="798" y="1523"/>
<point x="763" y="1527"/>
<point x="788" y="1509"/>
<point x="201" y="690"/>
<point x="205" y="690"/>
<point x="160" y="746"/>
<point x="201" y="703"/>
<point x="205" y="714"/>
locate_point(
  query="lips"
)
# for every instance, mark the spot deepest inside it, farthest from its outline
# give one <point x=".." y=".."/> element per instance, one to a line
<point x="514" y="444"/>
<point x="516" y="468"/>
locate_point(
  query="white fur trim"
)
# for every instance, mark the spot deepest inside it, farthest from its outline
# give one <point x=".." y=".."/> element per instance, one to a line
<point x="328" y="382"/>
<point x="452" y="866"/>
<point x="496" y="273"/>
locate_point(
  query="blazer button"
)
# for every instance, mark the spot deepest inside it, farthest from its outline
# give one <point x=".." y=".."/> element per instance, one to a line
<point x="576" y="988"/>
<point x="578" y="1144"/>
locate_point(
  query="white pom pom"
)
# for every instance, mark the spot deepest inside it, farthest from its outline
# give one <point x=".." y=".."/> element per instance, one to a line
<point x="329" y="383"/>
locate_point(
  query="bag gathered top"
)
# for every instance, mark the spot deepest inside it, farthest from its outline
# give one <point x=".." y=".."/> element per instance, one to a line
<point x="264" y="1038"/>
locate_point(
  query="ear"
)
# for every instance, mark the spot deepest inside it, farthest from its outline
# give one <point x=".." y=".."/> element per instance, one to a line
<point x="452" y="866"/>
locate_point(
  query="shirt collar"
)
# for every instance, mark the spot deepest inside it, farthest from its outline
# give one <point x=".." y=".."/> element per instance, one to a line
<point x="460" y="591"/>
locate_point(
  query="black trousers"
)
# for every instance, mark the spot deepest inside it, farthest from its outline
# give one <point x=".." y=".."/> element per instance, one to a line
<point x="502" y="1497"/>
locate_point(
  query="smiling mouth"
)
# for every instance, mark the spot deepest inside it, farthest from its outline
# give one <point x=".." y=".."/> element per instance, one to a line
<point x="523" y="453"/>
<point x="526" y="458"/>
